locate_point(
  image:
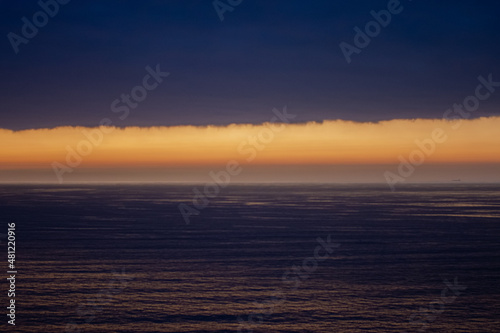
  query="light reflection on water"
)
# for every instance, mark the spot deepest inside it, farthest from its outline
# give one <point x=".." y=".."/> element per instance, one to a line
<point x="396" y="250"/>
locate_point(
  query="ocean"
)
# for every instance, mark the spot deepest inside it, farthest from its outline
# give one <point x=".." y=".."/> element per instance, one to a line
<point x="258" y="258"/>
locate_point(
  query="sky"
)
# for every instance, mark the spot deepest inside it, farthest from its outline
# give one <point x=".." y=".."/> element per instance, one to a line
<point x="170" y="90"/>
<point x="329" y="151"/>
<point x="330" y="142"/>
<point x="264" y="54"/>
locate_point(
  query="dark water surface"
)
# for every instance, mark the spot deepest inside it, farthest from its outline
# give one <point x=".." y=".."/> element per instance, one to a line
<point x="119" y="258"/>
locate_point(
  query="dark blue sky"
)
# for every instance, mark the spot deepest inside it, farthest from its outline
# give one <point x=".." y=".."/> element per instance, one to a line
<point x="264" y="54"/>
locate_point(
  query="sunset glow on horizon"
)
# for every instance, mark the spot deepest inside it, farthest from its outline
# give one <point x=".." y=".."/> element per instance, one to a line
<point x="191" y="150"/>
<point x="330" y="142"/>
